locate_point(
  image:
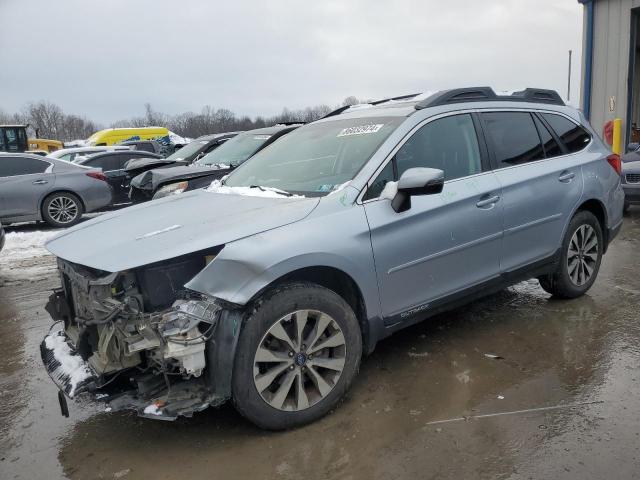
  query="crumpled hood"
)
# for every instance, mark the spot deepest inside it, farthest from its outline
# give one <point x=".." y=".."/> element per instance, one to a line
<point x="141" y="163"/>
<point x="173" y="226"/>
<point x="152" y="179"/>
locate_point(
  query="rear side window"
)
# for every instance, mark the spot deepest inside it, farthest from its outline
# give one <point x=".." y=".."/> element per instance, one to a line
<point x="106" y="163"/>
<point x="146" y="147"/>
<point x="551" y="147"/>
<point x="573" y="136"/>
<point x="12" y="166"/>
<point x="513" y="137"/>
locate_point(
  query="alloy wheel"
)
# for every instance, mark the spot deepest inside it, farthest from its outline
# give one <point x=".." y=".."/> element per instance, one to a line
<point x="582" y="255"/>
<point x="63" y="209"/>
<point x="299" y="360"/>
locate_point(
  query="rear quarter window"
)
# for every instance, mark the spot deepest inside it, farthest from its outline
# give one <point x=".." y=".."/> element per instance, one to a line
<point x="572" y="135"/>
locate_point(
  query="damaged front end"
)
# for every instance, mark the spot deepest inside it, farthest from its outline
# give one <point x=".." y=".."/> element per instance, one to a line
<point x="138" y="340"/>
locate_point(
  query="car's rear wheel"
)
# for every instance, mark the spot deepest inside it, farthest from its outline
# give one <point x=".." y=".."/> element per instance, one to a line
<point x="626" y="207"/>
<point x="297" y="355"/>
<point x="62" y="209"/>
<point x="581" y="254"/>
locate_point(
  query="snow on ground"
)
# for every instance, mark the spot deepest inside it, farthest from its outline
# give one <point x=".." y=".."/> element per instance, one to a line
<point x="24" y="258"/>
<point x="152" y="410"/>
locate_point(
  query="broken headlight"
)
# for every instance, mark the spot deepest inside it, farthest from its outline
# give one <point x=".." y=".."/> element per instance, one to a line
<point x="171" y="189"/>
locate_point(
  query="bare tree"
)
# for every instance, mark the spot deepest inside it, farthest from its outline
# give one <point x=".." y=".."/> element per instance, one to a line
<point x="351" y="100"/>
<point x="51" y="122"/>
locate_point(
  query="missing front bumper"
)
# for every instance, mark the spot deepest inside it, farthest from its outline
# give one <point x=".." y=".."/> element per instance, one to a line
<point x="148" y="395"/>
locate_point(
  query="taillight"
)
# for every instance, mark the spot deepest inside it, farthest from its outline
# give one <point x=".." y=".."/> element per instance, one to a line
<point x="615" y="162"/>
<point x="97" y="176"/>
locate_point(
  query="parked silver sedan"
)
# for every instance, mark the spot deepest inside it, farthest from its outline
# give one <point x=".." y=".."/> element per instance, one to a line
<point x="42" y="188"/>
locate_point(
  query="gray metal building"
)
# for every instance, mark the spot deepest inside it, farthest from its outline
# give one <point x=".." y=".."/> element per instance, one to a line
<point x="610" y="64"/>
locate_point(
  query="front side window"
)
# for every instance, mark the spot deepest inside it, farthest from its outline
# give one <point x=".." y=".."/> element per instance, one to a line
<point x="316" y="158"/>
<point x="573" y="136"/>
<point x="513" y="137"/>
<point x="385" y="176"/>
<point x="449" y="144"/>
<point x="12" y="166"/>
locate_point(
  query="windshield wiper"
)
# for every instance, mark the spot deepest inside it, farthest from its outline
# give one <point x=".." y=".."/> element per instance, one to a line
<point x="277" y="190"/>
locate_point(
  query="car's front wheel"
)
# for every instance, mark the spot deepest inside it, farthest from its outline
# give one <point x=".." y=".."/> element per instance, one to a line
<point x="61" y="209"/>
<point x="580" y="257"/>
<point x="297" y="355"/>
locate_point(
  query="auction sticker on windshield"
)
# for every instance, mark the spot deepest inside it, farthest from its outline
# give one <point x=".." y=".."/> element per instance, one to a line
<point x="360" y="130"/>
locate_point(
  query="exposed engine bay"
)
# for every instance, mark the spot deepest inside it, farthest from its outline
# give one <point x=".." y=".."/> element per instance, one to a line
<point x="143" y="341"/>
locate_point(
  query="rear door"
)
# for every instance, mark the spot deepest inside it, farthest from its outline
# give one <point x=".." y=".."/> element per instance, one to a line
<point x="541" y="185"/>
<point x="445" y="243"/>
<point x="23" y="183"/>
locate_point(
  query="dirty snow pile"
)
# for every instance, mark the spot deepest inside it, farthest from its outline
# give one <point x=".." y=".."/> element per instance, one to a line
<point x="217" y="187"/>
<point x="24" y="258"/>
<point x="72" y="369"/>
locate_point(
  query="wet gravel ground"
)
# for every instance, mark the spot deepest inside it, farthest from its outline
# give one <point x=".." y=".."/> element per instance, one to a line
<point x="561" y="401"/>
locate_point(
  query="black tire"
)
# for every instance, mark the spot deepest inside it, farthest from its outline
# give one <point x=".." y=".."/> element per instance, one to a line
<point x="560" y="283"/>
<point x="266" y="312"/>
<point x="626" y="207"/>
<point x="74" y="209"/>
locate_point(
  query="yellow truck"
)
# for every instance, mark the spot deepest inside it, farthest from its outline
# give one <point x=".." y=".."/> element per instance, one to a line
<point x="112" y="136"/>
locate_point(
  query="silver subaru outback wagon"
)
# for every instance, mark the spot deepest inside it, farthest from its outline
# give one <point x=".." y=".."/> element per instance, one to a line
<point x="269" y="287"/>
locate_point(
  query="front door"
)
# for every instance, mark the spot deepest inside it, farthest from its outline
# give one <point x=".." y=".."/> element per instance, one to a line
<point x="445" y="243"/>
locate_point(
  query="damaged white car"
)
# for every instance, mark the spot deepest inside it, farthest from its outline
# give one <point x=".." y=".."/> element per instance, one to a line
<point x="268" y="288"/>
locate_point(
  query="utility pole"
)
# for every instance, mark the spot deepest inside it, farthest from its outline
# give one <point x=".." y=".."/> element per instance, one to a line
<point x="569" y="79"/>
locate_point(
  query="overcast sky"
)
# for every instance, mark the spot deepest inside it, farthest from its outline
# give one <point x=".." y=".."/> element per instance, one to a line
<point x="105" y="59"/>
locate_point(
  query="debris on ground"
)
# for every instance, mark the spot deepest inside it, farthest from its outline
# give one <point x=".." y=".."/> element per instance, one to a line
<point x="493" y="356"/>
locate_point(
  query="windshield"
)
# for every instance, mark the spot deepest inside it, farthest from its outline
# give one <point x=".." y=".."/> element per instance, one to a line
<point x="236" y="150"/>
<point x="316" y="158"/>
<point x="188" y="150"/>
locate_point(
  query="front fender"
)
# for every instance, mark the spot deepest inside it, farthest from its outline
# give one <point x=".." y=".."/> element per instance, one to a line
<point x="339" y="240"/>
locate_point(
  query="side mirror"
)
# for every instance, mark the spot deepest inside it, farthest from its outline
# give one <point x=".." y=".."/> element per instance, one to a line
<point x="417" y="181"/>
<point x="633" y="147"/>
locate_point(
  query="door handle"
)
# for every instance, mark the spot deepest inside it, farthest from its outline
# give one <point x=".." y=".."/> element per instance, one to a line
<point x="39" y="182"/>
<point x="566" y="177"/>
<point x="488" y="201"/>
